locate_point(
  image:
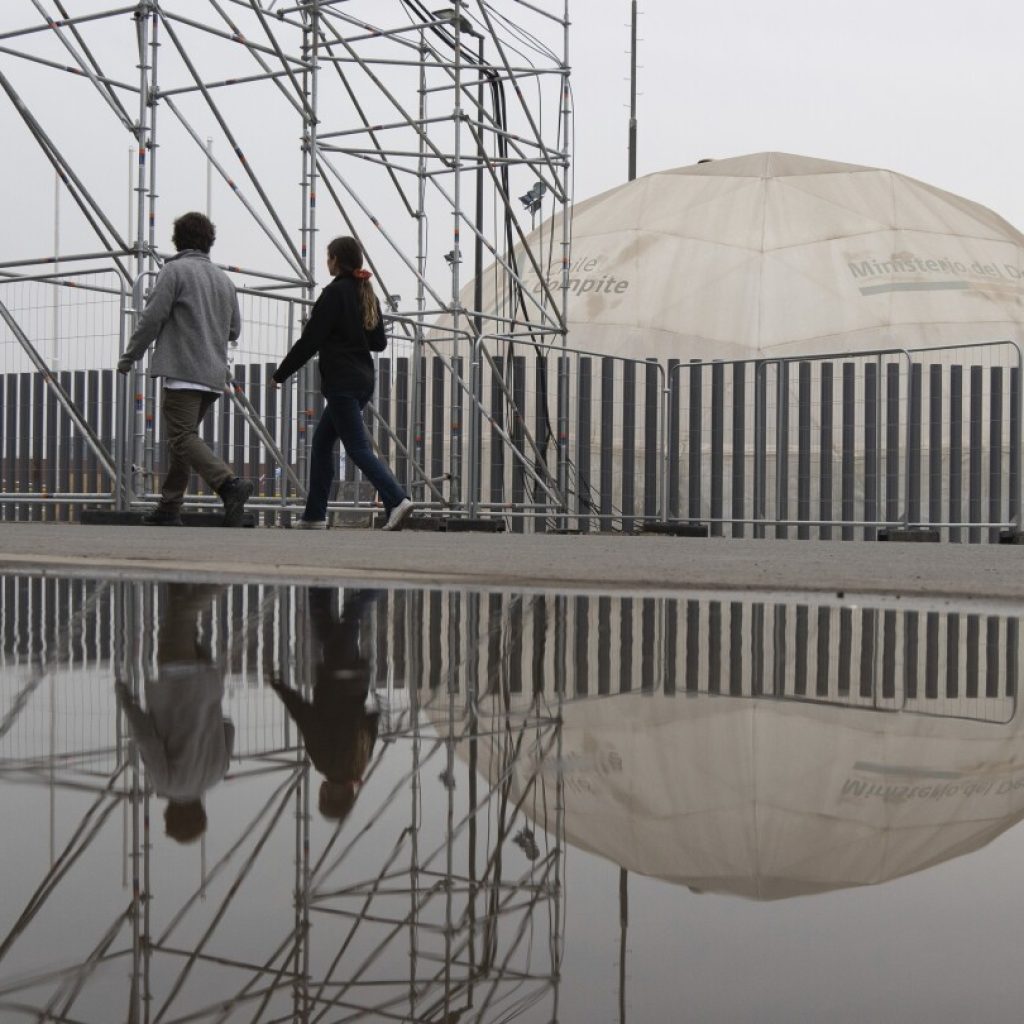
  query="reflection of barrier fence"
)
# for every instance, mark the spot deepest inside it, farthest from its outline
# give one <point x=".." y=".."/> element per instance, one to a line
<point x="831" y="446"/>
<point x="957" y="663"/>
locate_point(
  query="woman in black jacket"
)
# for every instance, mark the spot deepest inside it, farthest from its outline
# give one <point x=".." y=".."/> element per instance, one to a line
<point x="343" y="328"/>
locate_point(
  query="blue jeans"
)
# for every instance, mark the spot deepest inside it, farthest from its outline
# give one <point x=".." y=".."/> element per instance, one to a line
<point x="343" y="418"/>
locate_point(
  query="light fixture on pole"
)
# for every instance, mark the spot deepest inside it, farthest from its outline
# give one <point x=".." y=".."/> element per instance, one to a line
<point x="449" y="14"/>
<point x="533" y="199"/>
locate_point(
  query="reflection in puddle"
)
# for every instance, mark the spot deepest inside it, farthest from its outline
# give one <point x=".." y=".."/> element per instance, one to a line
<point x="270" y="803"/>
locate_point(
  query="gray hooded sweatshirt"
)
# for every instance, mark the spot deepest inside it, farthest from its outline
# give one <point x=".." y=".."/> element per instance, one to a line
<point x="192" y="313"/>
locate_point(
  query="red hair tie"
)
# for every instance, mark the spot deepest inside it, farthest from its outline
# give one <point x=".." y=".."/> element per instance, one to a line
<point x="362" y="275"/>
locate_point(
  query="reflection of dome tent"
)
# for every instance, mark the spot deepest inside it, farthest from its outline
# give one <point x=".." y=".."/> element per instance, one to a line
<point x="773" y="254"/>
<point x="772" y="799"/>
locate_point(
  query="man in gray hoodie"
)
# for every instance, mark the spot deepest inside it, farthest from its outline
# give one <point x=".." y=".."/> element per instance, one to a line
<point x="192" y="313"/>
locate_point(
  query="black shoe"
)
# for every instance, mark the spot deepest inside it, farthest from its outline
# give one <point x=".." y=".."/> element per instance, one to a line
<point x="235" y="493"/>
<point x="161" y="516"/>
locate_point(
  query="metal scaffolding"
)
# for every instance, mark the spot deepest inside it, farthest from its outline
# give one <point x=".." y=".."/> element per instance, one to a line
<point x="429" y="135"/>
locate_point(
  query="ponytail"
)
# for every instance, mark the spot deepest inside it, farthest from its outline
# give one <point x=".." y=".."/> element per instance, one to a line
<point x="369" y="305"/>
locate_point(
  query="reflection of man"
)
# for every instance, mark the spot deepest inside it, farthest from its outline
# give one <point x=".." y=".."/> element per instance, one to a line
<point x="184" y="740"/>
<point x="339" y="726"/>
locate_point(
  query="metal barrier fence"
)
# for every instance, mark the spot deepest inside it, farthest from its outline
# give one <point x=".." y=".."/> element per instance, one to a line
<point x="538" y="436"/>
<point x="840" y="446"/>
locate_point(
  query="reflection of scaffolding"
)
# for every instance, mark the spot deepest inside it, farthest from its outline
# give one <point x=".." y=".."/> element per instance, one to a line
<point x="407" y="118"/>
<point x="430" y="908"/>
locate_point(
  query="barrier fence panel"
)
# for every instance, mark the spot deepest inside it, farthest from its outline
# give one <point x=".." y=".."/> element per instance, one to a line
<point x="839" y="447"/>
<point x="826" y="446"/>
<point x="48" y="467"/>
<point x="612" y="453"/>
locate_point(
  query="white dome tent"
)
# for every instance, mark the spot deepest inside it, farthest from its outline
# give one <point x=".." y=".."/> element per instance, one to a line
<point x="773" y="254"/>
<point x="754" y="260"/>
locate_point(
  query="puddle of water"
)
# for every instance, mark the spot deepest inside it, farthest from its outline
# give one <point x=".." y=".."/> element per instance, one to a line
<point x="259" y="803"/>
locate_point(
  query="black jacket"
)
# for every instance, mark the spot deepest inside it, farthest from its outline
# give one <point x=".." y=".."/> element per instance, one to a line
<point x="335" y="332"/>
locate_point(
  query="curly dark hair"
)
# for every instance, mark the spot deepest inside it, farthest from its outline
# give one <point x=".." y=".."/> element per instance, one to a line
<point x="193" y="231"/>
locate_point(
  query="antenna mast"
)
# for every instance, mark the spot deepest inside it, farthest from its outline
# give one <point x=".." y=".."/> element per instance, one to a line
<point x="632" y="95"/>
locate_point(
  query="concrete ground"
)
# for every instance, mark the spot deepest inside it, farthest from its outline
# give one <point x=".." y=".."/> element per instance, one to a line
<point x="974" y="573"/>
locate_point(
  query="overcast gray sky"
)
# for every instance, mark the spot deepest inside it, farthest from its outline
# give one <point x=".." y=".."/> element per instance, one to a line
<point x="931" y="90"/>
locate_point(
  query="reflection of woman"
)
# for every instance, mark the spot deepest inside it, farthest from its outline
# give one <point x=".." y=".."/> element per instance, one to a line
<point x="339" y="726"/>
<point x="182" y="736"/>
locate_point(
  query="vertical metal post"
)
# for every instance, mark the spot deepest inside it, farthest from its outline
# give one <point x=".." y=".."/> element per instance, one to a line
<point x="974" y="456"/>
<point x="849" y="444"/>
<point x="714" y="648"/>
<point x="458" y="115"/>
<point x="892" y="442"/>
<point x="517" y="434"/>
<point x="694" y="441"/>
<point x="402" y="410"/>
<point x="136" y="381"/>
<point x="780" y="660"/>
<point x="607" y="439"/>
<point x="868" y="658"/>
<point x="383" y="403"/>
<point x="888" y="656"/>
<point x="782" y="451"/>
<point x="1015" y="446"/>
<point x="825" y="457"/>
<point x="652" y="439"/>
<point x="935" y="443"/>
<point x="801" y="649"/>
<point x="845" y="650"/>
<point x="566" y="118"/>
<point x="693" y="635"/>
<point x="421" y="257"/>
<point x="736" y="648"/>
<point x="803" y="458"/>
<point x="53" y="357"/>
<point x="475" y="426"/>
<point x="542" y="429"/>
<point x="871" y="422"/>
<point x="739" y="446"/>
<point x="497" y="488"/>
<point x="437" y="406"/>
<point x="758" y="634"/>
<point x="563" y="437"/>
<point x="628" y="444"/>
<point x="760" y="445"/>
<point x="911" y="659"/>
<point x="995" y="452"/>
<point x="914" y="447"/>
<point x="51" y="477"/>
<point x="931" y="656"/>
<point x="583" y="489"/>
<point x="632" y="93"/>
<point x="672" y="404"/>
<point x="717" y="446"/>
<point x="952" y="655"/>
<point x="956" y="449"/>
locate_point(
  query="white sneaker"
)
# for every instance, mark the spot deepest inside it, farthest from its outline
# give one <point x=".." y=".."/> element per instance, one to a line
<point x="309" y="524"/>
<point x="399" y="514"/>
